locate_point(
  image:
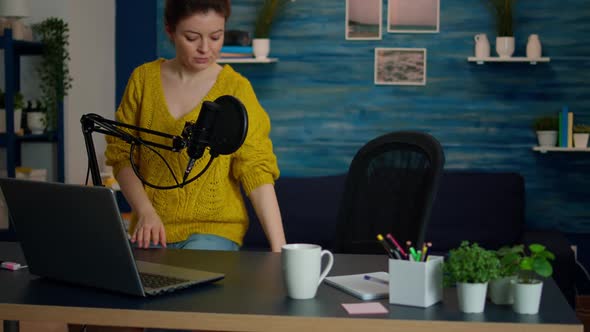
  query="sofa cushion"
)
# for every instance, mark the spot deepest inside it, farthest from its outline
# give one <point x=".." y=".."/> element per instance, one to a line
<point x="483" y="207"/>
<point x="309" y="208"/>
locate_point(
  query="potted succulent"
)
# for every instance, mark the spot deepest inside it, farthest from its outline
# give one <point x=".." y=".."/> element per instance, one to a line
<point x="264" y="21"/>
<point x="18" y="105"/>
<point x="502" y="10"/>
<point x="470" y="267"/>
<point x="581" y="133"/>
<point x="546" y="128"/>
<point x="37" y="118"/>
<point x="528" y="287"/>
<point x="500" y="288"/>
<point x="53" y="70"/>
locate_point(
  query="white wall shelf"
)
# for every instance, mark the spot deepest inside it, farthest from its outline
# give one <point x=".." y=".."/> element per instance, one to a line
<point x="545" y="149"/>
<point x="247" y="60"/>
<point x="532" y="61"/>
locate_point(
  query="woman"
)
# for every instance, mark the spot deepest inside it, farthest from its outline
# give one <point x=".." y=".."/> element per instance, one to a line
<point x="162" y="95"/>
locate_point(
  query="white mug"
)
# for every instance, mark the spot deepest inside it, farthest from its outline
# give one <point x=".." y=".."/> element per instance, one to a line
<point x="302" y="269"/>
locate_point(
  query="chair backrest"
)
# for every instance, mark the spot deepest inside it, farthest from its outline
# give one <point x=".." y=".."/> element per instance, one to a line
<point x="390" y="188"/>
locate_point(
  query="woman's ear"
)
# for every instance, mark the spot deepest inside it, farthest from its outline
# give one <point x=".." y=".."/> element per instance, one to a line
<point x="170" y="33"/>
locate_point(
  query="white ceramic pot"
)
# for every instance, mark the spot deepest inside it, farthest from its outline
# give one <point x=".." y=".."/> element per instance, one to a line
<point x="505" y="46"/>
<point x="261" y="47"/>
<point x="36" y="122"/>
<point x="527" y="297"/>
<point x="472" y="297"/>
<point x="17" y="120"/>
<point x="547" y="137"/>
<point x="581" y="140"/>
<point x="501" y="291"/>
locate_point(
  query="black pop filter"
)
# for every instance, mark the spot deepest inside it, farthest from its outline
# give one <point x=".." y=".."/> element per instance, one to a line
<point x="230" y="128"/>
<point x="222" y="125"/>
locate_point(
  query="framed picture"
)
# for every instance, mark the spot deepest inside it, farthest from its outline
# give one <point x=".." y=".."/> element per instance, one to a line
<point x="400" y="66"/>
<point x="363" y="19"/>
<point x="413" y="16"/>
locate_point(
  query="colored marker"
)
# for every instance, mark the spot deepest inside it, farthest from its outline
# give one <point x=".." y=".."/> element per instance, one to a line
<point x="390" y="251"/>
<point x="424" y="251"/>
<point x="392" y="239"/>
<point x="428" y="246"/>
<point x="11" y="266"/>
<point x="379" y="280"/>
<point x="414" y="254"/>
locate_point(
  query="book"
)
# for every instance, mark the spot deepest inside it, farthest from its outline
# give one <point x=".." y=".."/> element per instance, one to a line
<point x="236" y="49"/>
<point x="235" y="55"/>
<point x="570" y="129"/>
<point x="376" y="287"/>
<point x="562" y="132"/>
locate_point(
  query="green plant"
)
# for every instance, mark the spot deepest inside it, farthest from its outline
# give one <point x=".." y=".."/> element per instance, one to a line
<point x="470" y="264"/>
<point x="19" y="101"/>
<point x="502" y="10"/>
<point x="546" y="123"/>
<point x="581" y="129"/>
<point x="266" y="15"/>
<point x="510" y="258"/>
<point x="536" y="262"/>
<point x="54" y="73"/>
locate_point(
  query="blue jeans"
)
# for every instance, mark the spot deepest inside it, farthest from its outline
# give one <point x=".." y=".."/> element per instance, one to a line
<point x="205" y="242"/>
<point x="199" y="242"/>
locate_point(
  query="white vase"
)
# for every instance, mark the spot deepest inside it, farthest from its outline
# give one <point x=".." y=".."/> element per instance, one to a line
<point x="527" y="297"/>
<point x="472" y="297"/>
<point x="547" y="137"/>
<point x="17" y="120"/>
<point x="533" y="47"/>
<point x="36" y="122"/>
<point x="500" y="290"/>
<point x="261" y="47"/>
<point x="505" y="46"/>
<point x="482" y="46"/>
<point x="581" y="140"/>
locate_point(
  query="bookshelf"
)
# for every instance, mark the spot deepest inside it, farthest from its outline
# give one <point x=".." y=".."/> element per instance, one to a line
<point x="532" y="61"/>
<point x="14" y="50"/>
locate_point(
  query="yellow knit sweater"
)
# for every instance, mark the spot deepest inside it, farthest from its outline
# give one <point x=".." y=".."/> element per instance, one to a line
<point x="212" y="204"/>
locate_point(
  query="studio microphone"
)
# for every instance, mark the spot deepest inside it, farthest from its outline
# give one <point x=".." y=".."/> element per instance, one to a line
<point x="222" y="125"/>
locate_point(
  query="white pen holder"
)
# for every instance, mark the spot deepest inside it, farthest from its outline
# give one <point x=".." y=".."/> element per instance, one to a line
<point x="416" y="284"/>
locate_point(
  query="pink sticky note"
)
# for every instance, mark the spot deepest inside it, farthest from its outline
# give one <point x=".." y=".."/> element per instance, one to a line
<point x="365" y="308"/>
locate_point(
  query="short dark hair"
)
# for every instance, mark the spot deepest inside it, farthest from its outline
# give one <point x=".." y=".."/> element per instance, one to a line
<point x="176" y="10"/>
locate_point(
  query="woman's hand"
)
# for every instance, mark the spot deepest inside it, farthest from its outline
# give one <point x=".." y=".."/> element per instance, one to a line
<point x="149" y="229"/>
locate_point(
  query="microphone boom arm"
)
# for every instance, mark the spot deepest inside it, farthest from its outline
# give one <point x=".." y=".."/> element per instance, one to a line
<point x="222" y="126"/>
<point x="95" y="123"/>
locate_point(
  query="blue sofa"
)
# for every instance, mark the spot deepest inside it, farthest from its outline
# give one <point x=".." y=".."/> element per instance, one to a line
<point x="482" y="207"/>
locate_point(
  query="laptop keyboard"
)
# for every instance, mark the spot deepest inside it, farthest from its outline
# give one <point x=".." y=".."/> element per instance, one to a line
<point x="158" y="281"/>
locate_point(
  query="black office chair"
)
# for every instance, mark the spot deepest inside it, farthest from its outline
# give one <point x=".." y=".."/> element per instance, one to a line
<point x="390" y="188"/>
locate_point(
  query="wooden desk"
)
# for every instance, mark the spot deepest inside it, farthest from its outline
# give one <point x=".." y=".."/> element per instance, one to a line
<point x="252" y="298"/>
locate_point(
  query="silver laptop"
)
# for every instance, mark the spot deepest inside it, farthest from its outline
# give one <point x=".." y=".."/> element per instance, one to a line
<point x="74" y="233"/>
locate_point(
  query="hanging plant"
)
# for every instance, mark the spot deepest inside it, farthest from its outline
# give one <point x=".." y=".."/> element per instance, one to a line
<point x="53" y="71"/>
<point x="266" y="15"/>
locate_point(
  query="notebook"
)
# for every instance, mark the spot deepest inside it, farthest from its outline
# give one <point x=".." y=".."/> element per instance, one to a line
<point x="75" y="234"/>
<point x="365" y="286"/>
